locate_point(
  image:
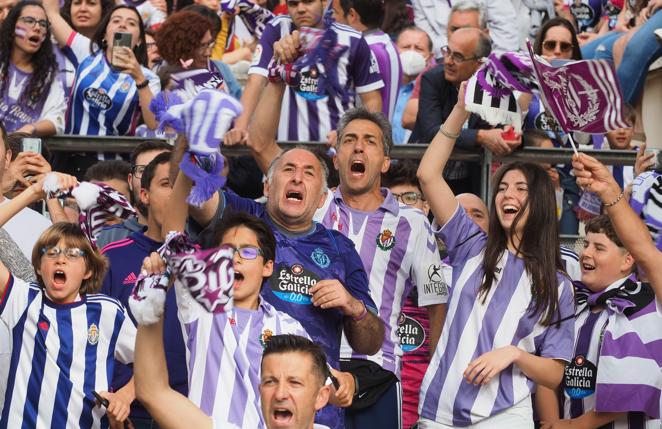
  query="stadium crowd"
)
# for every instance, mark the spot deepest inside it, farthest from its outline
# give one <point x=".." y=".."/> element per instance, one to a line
<point x="339" y="287"/>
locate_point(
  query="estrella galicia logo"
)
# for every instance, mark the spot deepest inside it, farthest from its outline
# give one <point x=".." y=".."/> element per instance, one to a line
<point x="579" y="378"/>
<point x="293" y="283"/>
<point x="320" y="258"/>
<point x="386" y="240"/>
<point x="309" y="84"/>
<point x="436" y="284"/>
<point x="411" y="333"/>
<point x="98" y="97"/>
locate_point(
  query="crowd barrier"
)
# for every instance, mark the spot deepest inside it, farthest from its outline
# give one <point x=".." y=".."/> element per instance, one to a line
<point x="71" y="143"/>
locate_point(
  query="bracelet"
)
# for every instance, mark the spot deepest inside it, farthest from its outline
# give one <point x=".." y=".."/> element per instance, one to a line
<point x="362" y="315"/>
<point x="613" y="203"/>
<point x="142" y="84"/>
<point x="447" y="134"/>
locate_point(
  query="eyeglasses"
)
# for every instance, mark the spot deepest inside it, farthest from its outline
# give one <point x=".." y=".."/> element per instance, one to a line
<point x="30" y="21"/>
<point x="456" y="56"/>
<point x="245" y="252"/>
<point x="207" y="45"/>
<point x="150" y="45"/>
<point x="550" y="45"/>
<point x="54" y="252"/>
<point x="409" y="198"/>
<point x="138" y="170"/>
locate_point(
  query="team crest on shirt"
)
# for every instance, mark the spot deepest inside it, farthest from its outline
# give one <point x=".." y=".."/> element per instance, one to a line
<point x="98" y="98"/>
<point x="93" y="335"/>
<point x="386" y="240"/>
<point x="265" y="336"/>
<point x="320" y="258"/>
<point x="125" y="86"/>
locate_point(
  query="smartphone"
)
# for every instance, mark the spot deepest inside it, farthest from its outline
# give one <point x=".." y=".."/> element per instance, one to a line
<point x="658" y="154"/>
<point x="120" y="39"/>
<point x="31" y="144"/>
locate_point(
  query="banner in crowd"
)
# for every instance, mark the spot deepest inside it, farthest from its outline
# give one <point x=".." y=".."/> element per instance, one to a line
<point x="582" y="95"/>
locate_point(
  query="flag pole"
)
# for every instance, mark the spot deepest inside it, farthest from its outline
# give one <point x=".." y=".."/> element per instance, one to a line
<point x="572" y="143"/>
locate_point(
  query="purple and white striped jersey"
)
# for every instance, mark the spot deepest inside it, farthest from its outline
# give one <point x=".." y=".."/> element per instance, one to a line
<point x="306" y="115"/>
<point x="60" y="354"/>
<point x="475" y="326"/>
<point x="390" y="69"/>
<point x="398" y="251"/>
<point x="224" y="352"/>
<point x="631" y="367"/>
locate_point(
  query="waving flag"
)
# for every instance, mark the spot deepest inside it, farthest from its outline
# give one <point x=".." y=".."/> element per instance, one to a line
<point x="582" y="95"/>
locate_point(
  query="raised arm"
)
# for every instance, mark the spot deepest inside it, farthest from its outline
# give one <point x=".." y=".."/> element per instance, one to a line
<point x="59" y="27"/>
<point x="595" y="177"/>
<point x="430" y="171"/>
<point x="168" y="407"/>
<point x="264" y="126"/>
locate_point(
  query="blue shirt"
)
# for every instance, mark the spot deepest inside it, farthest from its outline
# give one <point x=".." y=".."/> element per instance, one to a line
<point x="125" y="257"/>
<point x="401" y="134"/>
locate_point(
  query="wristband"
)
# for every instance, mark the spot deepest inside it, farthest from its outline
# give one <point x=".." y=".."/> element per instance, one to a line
<point x="613" y="203"/>
<point x="142" y="84"/>
<point x="361" y="316"/>
<point x="447" y="134"/>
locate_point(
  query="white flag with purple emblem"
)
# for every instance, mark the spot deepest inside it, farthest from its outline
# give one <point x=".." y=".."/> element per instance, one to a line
<point x="582" y="95"/>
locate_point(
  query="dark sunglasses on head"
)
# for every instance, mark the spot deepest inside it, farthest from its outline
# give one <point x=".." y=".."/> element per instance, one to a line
<point x="550" y="45"/>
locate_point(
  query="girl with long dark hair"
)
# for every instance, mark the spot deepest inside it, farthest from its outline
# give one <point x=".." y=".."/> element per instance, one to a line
<point x="113" y="86"/>
<point x="509" y="320"/>
<point x="31" y="95"/>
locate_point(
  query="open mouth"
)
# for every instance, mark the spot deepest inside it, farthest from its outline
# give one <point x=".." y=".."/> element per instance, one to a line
<point x="59" y="278"/>
<point x="282" y="415"/>
<point x="509" y="209"/>
<point x="294" y="196"/>
<point x="587" y="267"/>
<point x="238" y="276"/>
<point x="34" y="39"/>
<point x="357" y="167"/>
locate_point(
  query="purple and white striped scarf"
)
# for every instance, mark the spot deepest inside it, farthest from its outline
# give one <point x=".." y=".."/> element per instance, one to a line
<point x="207" y="274"/>
<point x="97" y="203"/>
<point x="204" y="120"/>
<point x="646" y="201"/>
<point x="253" y="16"/>
<point x="632" y="342"/>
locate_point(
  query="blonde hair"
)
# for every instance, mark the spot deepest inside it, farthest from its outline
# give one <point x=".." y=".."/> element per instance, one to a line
<point x="73" y="237"/>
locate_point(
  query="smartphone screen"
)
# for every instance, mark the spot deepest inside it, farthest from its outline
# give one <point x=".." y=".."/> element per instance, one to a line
<point x="120" y="39"/>
<point x="30" y="144"/>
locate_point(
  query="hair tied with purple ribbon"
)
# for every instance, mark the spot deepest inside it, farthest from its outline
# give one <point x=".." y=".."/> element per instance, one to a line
<point x="204" y="120"/>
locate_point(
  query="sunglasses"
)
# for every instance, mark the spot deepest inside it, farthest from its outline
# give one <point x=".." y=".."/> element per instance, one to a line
<point x="245" y="252"/>
<point x="550" y="45"/>
<point x="70" y="253"/>
<point x="409" y="198"/>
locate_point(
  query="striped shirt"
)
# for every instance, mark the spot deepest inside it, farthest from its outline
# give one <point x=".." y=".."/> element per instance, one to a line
<point x="390" y="69"/>
<point x="475" y="326"/>
<point x="398" y="251"/>
<point x="571" y="263"/>
<point x="103" y="101"/>
<point x="306" y="115"/>
<point x="224" y="355"/>
<point x="60" y="354"/>
<point x="633" y="371"/>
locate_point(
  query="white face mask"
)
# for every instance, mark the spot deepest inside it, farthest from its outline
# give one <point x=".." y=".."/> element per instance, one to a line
<point x="413" y="63"/>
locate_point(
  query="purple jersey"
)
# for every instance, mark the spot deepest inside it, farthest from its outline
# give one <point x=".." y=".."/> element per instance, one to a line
<point x="301" y="261"/>
<point x="475" y="326"/>
<point x="305" y="114"/>
<point x="15" y="111"/>
<point x="398" y="251"/>
<point x="388" y="61"/>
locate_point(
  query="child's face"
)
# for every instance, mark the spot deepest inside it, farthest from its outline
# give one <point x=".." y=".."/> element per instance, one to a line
<point x="63" y="275"/>
<point x="603" y="262"/>
<point x="620" y="138"/>
<point x="248" y="273"/>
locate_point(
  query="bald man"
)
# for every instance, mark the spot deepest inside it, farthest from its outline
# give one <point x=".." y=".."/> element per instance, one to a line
<point x="476" y="209"/>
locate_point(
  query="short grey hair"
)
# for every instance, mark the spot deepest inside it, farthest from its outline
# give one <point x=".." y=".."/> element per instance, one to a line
<point x="472" y="6"/>
<point x="276" y="161"/>
<point x="377" y="118"/>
